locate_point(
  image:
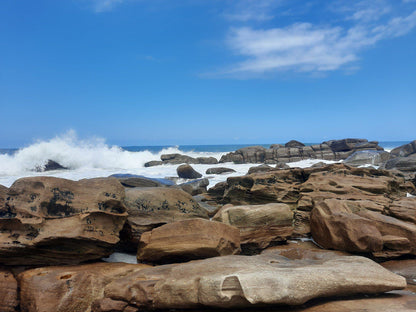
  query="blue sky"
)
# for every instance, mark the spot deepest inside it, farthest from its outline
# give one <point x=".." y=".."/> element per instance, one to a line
<point x="152" y="72"/>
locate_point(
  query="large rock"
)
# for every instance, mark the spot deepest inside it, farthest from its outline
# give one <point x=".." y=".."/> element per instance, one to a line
<point x="261" y="168"/>
<point x="49" y="166"/>
<point x="195" y="187"/>
<point x="402" y="163"/>
<point x="348" y="225"/>
<point x="362" y="158"/>
<point x="404" y="209"/>
<point x="294" y="143"/>
<point x="219" y="170"/>
<point x="187" y="172"/>
<point x="405" y="268"/>
<point x="134" y="180"/>
<point x="404" y="150"/>
<point x="251" y="154"/>
<point x="176" y="159"/>
<point x="3" y="196"/>
<point x="241" y="281"/>
<point x="188" y="240"/>
<point x="9" y="301"/>
<point x="48" y="220"/>
<point x="69" y="288"/>
<point x="259" y="225"/>
<point x="154" y="206"/>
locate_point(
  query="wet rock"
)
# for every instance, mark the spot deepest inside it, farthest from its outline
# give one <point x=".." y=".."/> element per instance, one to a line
<point x="49" y="166"/>
<point x="152" y="207"/>
<point x="153" y="163"/>
<point x="47" y="220"/>
<point x="261" y="168"/>
<point x="69" y="288"/>
<point x="188" y="240"/>
<point x="362" y="158"/>
<point x="404" y="150"/>
<point x="187" y="172"/>
<point x="177" y="159"/>
<point x="294" y="143"/>
<point x="241" y="281"/>
<point x="195" y="187"/>
<point x="9" y="301"/>
<point x="259" y="225"/>
<point x="219" y="170"/>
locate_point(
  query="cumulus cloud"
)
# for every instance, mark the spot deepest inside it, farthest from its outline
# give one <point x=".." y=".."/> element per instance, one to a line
<point x="308" y="47"/>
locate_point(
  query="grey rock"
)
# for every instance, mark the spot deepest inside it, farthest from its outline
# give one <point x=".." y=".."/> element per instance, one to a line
<point x="404" y="150"/>
<point x="153" y="163"/>
<point x="370" y="157"/>
<point x="49" y="166"/>
<point x="187" y="172"/>
<point x="402" y="163"/>
<point x="294" y="143"/>
<point x="195" y="187"/>
<point x="261" y="168"/>
<point x="219" y="170"/>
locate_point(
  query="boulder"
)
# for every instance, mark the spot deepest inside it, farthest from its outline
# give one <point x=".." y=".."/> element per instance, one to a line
<point x="250" y="154"/>
<point x="3" y="196"/>
<point x="47" y="220"/>
<point x="187" y="172"/>
<point x="241" y="281"/>
<point x="49" y="166"/>
<point x="261" y="168"/>
<point x="151" y="207"/>
<point x="402" y="163"/>
<point x="219" y="170"/>
<point x="404" y="150"/>
<point x="405" y="268"/>
<point x="195" y="187"/>
<point x="134" y="180"/>
<point x="69" y="288"/>
<point x="282" y="165"/>
<point x="207" y="160"/>
<point x="177" y="159"/>
<point x="188" y="240"/>
<point x="259" y="225"/>
<point x="404" y="209"/>
<point x="294" y="143"/>
<point x="9" y="301"/>
<point x="153" y="163"/>
<point x="344" y="145"/>
<point x="361" y="158"/>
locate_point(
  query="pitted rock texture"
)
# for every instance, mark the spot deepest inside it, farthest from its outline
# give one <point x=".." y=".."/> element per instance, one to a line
<point x="9" y="301"/>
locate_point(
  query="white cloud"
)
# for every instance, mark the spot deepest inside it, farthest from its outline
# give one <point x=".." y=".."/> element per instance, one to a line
<point x="105" y="5"/>
<point x="307" y="47"/>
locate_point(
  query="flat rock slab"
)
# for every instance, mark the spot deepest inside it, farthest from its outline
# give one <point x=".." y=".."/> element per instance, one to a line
<point x="188" y="240"/>
<point x="259" y="225"/>
<point x="47" y="220"/>
<point x="243" y="281"/>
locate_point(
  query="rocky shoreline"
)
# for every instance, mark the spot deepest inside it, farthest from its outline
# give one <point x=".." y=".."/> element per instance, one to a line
<point x="244" y="243"/>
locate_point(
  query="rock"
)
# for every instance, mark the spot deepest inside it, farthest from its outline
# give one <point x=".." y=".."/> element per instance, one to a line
<point x="404" y="150"/>
<point x="294" y="143"/>
<point x="195" y="187"/>
<point x="49" y="166"/>
<point x="49" y="220"/>
<point x="276" y="146"/>
<point x="319" y="165"/>
<point x="251" y="154"/>
<point x="207" y="160"/>
<point x="177" y="159"/>
<point x="404" y="209"/>
<point x="154" y="206"/>
<point x="153" y="163"/>
<point x="261" y="168"/>
<point x="188" y="240"/>
<point x="344" y="144"/>
<point x="345" y="225"/>
<point x="210" y="207"/>
<point x="402" y="163"/>
<point x="241" y="281"/>
<point x="9" y="301"/>
<point x="69" y="288"/>
<point x="187" y="172"/>
<point x="405" y="268"/>
<point x="361" y="158"/>
<point x="259" y="225"/>
<point x="219" y="170"/>
<point x="133" y="180"/>
<point x="3" y="196"/>
<point x="282" y="165"/>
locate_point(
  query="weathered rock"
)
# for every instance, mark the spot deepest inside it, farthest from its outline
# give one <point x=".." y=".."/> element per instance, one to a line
<point x="49" y="220"/>
<point x="345" y="225"/>
<point x="259" y="225"/>
<point x="153" y="163"/>
<point x="178" y="159"/>
<point x="195" y="187"/>
<point x="3" y="196"/>
<point x="69" y="288"/>
<point x="241" y="281"/>
<point x="361" y="158"/>
<point x="261" y="168"/>
<point x="405" y="268"/>
<point x="402" y="163"/>
<point x="219" y="170"/>
<point x="188" y="240"/>
<point x="251" y="154"/>
<point x="187" y="172"/>
<point x="207" y="160"/>
<point x="282" y="165"/>
<point x="404" y="209"/>
<point x="294" y="143"/>
<point x="9" y="301"/>
<point x="133" y="180"/>
<point x="404" y="150"/>
<point x="151" y="207"/>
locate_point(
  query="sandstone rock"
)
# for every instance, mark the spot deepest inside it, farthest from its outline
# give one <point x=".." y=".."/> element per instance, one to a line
<point x="207" y="160"/>
<point x="282" y="165"/>
<point x="261" y="168"/>
<point x="3" y="196"/>
<point x="259" y="225"/>
<point x="219" y="170"/>
<point x="241" y="281"/>
<point x="361" y="158"/>
<point x="188" y="240"/>
<point x="69" y="288"/>
<point x="294" y="143"/>
<point x="404" y="150"/>
<point x="402" y="163"/>
<point x="404" y="209"/>
<point x="187" y="172"/>
<point x="48" y="220"/>
<point x="9" y="301"/>
<point x="405" y="268"/>
<point x="133" y="180"/>
<point x="154" y="206"/>
<point x="195" y="187"/>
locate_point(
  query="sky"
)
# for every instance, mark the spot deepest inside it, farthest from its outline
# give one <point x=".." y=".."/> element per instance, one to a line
<point x="156" y="72"/>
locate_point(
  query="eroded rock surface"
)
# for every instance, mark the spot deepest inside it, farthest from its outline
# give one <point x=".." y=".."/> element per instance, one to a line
<point x="8" y="291"/>
<point x="48" y="220"/>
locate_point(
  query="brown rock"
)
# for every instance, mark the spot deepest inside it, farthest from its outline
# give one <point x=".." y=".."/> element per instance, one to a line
<point x="404" y="209"/>
<point x="259" y="225"/>
<point x="49" y="220"/>
<point x="187" y="172"/>
<point x="70" y="288"/>
<point x="154" y="206"/>
<point x="188" y="240"/>
<point x="8" y="291"/>
<point x="405" y="268"/>
<point x="241" y="281"/>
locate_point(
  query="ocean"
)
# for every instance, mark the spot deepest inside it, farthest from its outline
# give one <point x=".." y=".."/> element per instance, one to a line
<point x="95" y="158"/>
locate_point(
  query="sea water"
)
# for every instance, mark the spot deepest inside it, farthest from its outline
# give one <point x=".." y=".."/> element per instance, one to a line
<point x="94" y="158"/>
